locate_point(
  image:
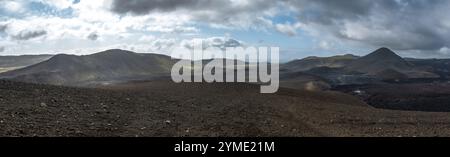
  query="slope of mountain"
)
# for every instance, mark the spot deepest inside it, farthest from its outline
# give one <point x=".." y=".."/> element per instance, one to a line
<point x="104" y="67"/>
<point x="8" y="63"/>
<point x="437" y="66"/>
<point x="314" y="62"/>
<point x="304" y="81"/>
<point x="310" y="74"/>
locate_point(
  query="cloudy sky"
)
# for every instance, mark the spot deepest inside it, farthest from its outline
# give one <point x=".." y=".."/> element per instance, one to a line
<point x="413" y="28"/>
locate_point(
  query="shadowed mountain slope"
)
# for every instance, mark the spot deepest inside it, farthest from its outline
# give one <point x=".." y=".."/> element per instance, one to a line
<point x="314" y="62"/>
<point x="112" y="65"/>
<point x="8" y="63"/>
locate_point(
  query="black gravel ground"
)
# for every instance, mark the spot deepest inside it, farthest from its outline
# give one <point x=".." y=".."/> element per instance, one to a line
<point x="163" y="108"/>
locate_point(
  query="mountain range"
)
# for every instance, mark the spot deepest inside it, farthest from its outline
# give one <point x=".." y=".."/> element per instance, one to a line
<point x="380" y="65"/>
<point x="113" y="66"/>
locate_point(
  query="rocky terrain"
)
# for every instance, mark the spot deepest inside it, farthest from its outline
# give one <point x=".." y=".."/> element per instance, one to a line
<point x="430" y="97"/>
<point x="167" y="109"/>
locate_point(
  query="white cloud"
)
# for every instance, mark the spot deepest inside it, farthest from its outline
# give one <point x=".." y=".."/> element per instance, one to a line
<point x="94" y="20"/>
<point x="12" y="6"/>
<point x="162" y="45"/>
<point x="325" y="45"/>
<point x="444" y="50"/>
<point x="90" y="17"/>
<point x="218" y="42"/>
<point x="60" y="4"/>
<point x="288" y="29"/>
<point x="147" y="38"/>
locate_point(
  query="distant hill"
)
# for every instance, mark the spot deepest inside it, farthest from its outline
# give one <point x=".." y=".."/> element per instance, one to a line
<point x="385" y="62"/>
<point x="378" y="61"/>
<point x="8" y="63"/>
<point x="104" y="67"/>
<point x="314" y="62"/>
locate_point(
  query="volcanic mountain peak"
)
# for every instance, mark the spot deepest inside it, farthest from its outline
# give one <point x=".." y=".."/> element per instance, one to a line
<point x="383" y="53"/>
<point x="378" y="61"/>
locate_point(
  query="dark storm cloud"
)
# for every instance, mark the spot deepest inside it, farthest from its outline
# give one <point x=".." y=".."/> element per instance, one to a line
<point x="326" y="11"/>
<point x="209" y="11"/>
<point x="93" y="36"/>
<point x="140" y="7"/>
<point x="398" y="24"/>
<point x="3" y="28"/>
<point x="223" y="43"/>
<point x="145" y="6"/>
<point x="29" y="34"/>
